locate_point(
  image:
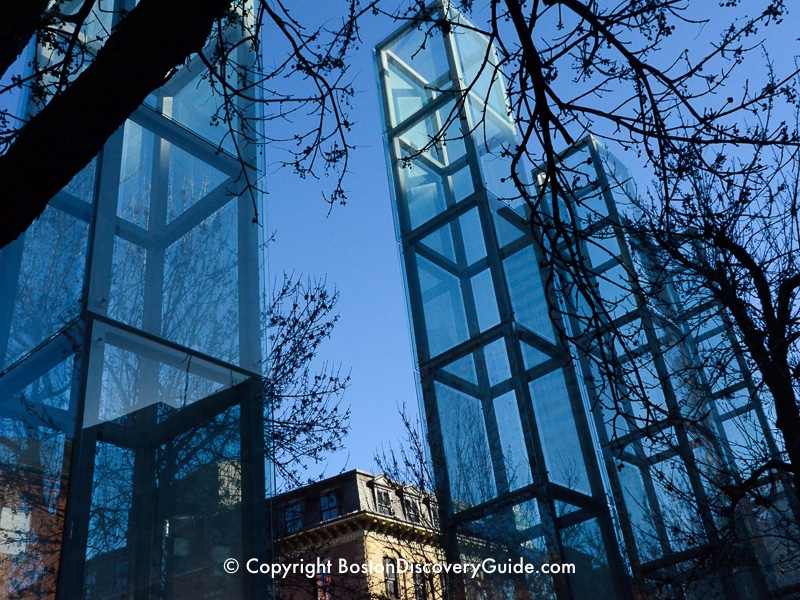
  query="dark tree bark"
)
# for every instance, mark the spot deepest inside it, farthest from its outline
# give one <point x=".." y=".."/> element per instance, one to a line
<point x="21" y="19"/>
<point x="155" y="37"/>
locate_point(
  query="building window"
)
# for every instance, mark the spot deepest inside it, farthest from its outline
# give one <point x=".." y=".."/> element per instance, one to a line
<point x="384" y="502"/>
<point x="412" y="510"/>
<point x="421" y="586"/>
<point x="15" y="528"/>
<point x="391" y="577"/>
<point x="324" y="582"/>
<point x="328" y="506"/>
<point x="293" y="516"/>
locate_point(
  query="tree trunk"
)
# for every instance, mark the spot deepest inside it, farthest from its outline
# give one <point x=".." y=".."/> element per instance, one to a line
<point x="59" y="141"/>
<point x="779" y="383"/>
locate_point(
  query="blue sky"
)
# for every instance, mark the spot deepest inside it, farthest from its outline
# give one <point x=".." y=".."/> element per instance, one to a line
<point x="355" y="248"/>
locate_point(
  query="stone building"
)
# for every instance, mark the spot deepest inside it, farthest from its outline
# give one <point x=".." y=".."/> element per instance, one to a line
<point x="357" y="535"/>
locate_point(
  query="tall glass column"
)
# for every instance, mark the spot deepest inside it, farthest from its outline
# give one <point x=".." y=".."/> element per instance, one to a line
<point x="131" y="427"/>
<point x="513" y="448"/>
<point x="615" y="450"/>
<point x="686" y="423"/>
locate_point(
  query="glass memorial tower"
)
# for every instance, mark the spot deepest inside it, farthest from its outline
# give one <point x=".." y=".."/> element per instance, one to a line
<point x="528" y="464"/>
<point x="132" y="430"/>
<point x="503" y="403"/>
<point x="686" y="422"/>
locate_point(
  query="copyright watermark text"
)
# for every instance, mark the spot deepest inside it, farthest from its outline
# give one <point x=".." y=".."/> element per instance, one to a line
<point x="310" y="569"/>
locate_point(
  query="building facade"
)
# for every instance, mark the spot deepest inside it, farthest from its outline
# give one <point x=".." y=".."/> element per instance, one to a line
<point x="362" y="521"/>
<point x="529" y="457"/>
<point x="131" y="359"/>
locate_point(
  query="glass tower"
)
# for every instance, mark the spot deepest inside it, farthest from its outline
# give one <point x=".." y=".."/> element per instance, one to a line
<point x="131" y="428"/>
<point x="529" y="461"/>
<point x="505" y="412"/>
<point x="677" y="412"/>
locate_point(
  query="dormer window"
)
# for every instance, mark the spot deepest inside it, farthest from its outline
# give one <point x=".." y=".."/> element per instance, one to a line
<point x="385" y="502"/>
<point x="328" y="506"/>
<point x="412" y="510"/>
<point x="293" y="517"/>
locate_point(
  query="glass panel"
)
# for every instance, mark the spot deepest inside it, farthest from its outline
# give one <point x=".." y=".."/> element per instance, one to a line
<point x="506" y="232"/>
<point x="634" y="336"/>
<point x="512" y="441"/>
<point x="646" y="390"/>
<point x="127" y="282"/>
<point x="423" y="50"/>
<point x="443" y="126"/>
<point x="590" y="206"/>
<point x="462" y="183"/>
<point x="82" y="185"/>
<point x="640" y="512"/>
<point x="474" y="244"/>
<point x="98" y="24"/>
<point x="527" y="293"/>
<point x="139" y="373"/>
<point x="463" y="368"/>
<point x="602" y="246"/>
<point x="497" y="362"/>
<point x="52" y="389"/>
<point x="508" y="529"/>
<point x="424" y="193"/>
<point x="577" y="173"/>
<point x="733" y="400"/>
<point x="112" y="488"/>
<point x="583" y="547"/>
<point x="463" y="233"/>
<point x="408" y="91"/>
<point x="165" y="510"/>
<point x="622" y="185"/>
<point x="478" y="67"/>
<point x="190" y="180"/>
<point x="532" y="357"/>
<point x="485" y="300"/>
<point x="495" y="137"/>
<point x="466" y="447"/>
<point x="557" y="430"/>
<point x="678" y="506"/>
<point x="746" y="441"/>
<point x="50" y="281"/>
<point x="615" y="416"/>
<point x="136" y="174"/>
<point x="33" y="496"/>
<point x="197" y="107"/>
<point x="720" y="363"/>
<point x="508" y="535"/>
<point x="418" y="66"/>
<point x="441" y="242"/>
<point x="201" y="293"/>
<point x="426" y="165"/>
<point x="443" y="306"/>
<point x="615" y="290"/>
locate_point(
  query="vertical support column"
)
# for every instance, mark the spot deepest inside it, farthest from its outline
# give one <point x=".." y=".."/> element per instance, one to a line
<point x="256" y="531"/>
<point x="79" y="497"/>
